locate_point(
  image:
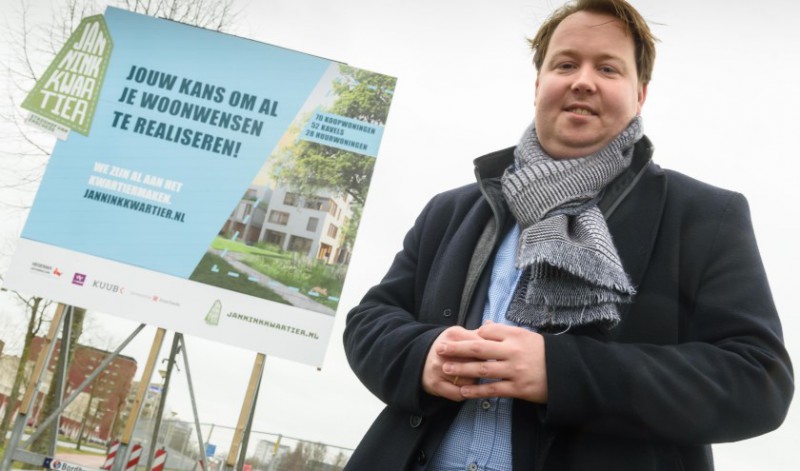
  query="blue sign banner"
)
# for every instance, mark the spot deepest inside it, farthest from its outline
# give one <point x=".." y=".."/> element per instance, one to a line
<point x="176" y="140"/>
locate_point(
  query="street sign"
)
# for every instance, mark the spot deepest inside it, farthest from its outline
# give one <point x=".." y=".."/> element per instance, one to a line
<point x="210" y="449"/>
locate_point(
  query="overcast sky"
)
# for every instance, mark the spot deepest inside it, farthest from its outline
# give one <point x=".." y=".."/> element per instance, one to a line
<point x="722" y="107"/>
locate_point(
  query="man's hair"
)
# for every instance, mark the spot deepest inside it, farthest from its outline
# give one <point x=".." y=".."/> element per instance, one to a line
<point x="643" y="39"/>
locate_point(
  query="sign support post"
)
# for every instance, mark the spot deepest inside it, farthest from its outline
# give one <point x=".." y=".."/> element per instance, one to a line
<point x="246" y="435"/>
<point x="200" y="443"/>
<point x="162" y="401"/>
<point x="248" y="408"/>
<point x="122" y="454"/>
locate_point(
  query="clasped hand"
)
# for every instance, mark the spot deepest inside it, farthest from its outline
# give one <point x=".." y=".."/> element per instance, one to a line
<point x="512" y="356"/>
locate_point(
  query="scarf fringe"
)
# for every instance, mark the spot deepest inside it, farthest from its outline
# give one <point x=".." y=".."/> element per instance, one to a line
<point x="550" y="319"/>
<point x="552" y="293"/>
<point x="583" y="264"/>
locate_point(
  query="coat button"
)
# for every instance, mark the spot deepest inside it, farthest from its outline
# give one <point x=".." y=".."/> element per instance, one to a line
<point x="472" y="467"/>
<point x="415" y="421"/>
<point x="486" y="405"/>
<point x="421" y="458"/>
<point x="447" y="312"/>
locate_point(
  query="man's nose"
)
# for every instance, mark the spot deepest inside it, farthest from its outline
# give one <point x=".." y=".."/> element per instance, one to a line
<point x="584" y="80"/>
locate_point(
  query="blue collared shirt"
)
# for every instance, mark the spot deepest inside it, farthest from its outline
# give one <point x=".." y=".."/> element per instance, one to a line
<point x="480" y="436"/>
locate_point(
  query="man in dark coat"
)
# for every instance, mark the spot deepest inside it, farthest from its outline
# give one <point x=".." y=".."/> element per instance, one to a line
<point x="578" y="308"/>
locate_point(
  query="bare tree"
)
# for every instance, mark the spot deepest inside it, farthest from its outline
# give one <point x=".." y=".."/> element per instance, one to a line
<point x="218" y="15"/>
<point x="340" y="460"/>
<point x="25" y="150"/>
<point x="315" y="459"/>
<point x="36" y="307"/>
<point x="294" y="460"/>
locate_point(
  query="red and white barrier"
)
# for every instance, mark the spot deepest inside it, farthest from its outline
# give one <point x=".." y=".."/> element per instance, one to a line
<point x="112" y="453"/>
<point x="133" y="461"/>
<point x="159" y="460"/>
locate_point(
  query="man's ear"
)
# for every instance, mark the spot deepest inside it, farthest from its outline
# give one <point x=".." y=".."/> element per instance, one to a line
<point x="641" y="97"/>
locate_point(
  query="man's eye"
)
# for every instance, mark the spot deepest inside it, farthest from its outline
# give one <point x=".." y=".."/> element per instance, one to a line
<point x="565" y="66"/>
<point x="607" y="69"/>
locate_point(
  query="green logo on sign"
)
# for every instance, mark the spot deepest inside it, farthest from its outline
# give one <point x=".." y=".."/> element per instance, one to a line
<point x="212" y="318"/>
<point x="69" y="90"/>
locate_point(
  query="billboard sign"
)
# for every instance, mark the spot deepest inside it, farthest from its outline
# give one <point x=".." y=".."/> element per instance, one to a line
<point x="206" y="183"/>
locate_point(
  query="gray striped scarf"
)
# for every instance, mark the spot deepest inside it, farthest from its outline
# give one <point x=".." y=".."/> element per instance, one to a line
<point x="572" y="272"/>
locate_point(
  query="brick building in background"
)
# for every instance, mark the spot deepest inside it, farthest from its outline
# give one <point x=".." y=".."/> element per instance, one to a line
<point x="98" y="407"/>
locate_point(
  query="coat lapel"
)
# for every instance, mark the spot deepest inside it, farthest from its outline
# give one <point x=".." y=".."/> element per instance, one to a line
<point x="635" y="222"/>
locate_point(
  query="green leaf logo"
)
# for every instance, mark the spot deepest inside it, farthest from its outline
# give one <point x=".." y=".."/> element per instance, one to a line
<point x="212" y="318"/>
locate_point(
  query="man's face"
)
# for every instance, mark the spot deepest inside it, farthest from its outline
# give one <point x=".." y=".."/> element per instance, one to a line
<point x="587" y="90"/>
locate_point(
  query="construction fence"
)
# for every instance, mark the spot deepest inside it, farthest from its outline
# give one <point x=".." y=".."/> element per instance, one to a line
<point x="265" y="451"/>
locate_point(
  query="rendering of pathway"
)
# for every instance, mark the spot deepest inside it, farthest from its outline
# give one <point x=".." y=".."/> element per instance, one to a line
<point x="292" y="296"/>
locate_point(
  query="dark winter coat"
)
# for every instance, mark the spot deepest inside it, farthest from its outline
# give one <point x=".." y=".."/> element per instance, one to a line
<point x="698" y="358"/>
